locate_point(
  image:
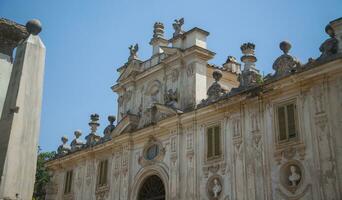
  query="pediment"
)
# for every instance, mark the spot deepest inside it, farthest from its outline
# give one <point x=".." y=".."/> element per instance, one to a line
<point x="132" y="68"/>
<point x="127" y="124"/>
<point x="160" y="112"/>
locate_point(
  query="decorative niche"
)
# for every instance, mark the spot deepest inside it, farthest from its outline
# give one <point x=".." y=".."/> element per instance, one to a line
<point x="292" y="175"/>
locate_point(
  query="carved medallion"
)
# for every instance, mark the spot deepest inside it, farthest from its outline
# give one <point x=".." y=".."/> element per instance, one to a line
<point x="291" y="175"/>
<point x="214" y="187"/>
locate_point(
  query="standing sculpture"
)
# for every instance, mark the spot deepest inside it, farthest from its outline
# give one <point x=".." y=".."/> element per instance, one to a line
<point x="133" y="50"/>
<point x="177" y="25"/>
<point x="77" y="143"/>
<point x="64" y="148"/>
<point x="329" y="46"/>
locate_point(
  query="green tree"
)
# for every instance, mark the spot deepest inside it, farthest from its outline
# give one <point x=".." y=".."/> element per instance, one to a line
<point x="42" y="175"/>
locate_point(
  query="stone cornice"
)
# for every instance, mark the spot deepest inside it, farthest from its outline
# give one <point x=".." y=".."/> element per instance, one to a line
<point x="11" y="33"/>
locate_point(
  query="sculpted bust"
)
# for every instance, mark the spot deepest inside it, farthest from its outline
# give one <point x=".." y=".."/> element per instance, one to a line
<point x="64" y="148"/>
<point x="329" y="46"/>
<point x="77" y="143"/>
<point x="294" y="177"/>
<point x="216" y="188"/>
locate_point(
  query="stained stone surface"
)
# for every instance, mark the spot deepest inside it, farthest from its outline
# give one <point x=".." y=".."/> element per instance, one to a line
<point x="20" y="120"/>
<point x="175" y="109"/>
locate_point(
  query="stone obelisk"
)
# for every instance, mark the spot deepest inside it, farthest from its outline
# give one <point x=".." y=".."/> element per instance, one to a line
<point x="21" y="109"/>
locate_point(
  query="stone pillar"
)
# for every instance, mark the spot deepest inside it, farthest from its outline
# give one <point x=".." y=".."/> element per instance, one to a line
<point x="20" y="120"/>
<point x="337" y="27"/>
<point x="10" y="35"/>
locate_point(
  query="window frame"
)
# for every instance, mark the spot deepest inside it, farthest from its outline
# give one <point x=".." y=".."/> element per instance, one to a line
<point x="213" y="157"/>
<point x="102" y="174"/>
<point x="68" y="181"/>
<point x="284" y="104"/>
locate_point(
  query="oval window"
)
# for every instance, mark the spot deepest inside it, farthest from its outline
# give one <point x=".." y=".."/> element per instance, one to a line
<point x="152" y="152"/>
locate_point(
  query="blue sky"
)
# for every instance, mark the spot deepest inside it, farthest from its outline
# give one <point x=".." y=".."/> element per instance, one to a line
<point x="87" y="40"/>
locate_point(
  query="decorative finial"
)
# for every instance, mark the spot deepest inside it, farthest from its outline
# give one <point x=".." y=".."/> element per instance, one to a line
<point x="93" y="122"/>
<point x="158" y="31"/>
<point x="177" y="26"/>
<point x="34" y="26"/>
<point x="285" y="46"/>
<point x="92" y="138"/>
<point x="133" y="50"/>
<point x="248" y="48"/>
<point x="248" y="58"/>
<point x="217" y="75"/>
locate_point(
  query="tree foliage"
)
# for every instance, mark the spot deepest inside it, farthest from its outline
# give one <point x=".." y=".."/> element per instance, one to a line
<point x="42" y="175"/>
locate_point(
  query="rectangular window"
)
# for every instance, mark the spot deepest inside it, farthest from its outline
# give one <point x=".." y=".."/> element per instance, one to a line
<point x="102" y="173"/>
<point x="287" y="122"/>
<point x="68" y="182"/>
<point x="213" y="142"/>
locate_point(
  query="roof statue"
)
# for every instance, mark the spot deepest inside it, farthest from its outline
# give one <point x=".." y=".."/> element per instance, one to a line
<point x="329" y="46"/>
<point x="77" y="143"/>
<point x="215" y="91"/>
<point x="64" y="148"/>
<point x="108" y="130"/>
<point x="171" y="98"/>
<point x="285" y="63"/>
<point x="177" y="26"/>
<point x="133" y="50"/>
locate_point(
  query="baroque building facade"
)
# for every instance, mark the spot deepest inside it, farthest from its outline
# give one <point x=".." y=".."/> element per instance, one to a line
<point x="191" y="130"/>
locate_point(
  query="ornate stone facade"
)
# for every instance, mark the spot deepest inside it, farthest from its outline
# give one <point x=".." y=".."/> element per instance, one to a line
<point x="190" y="130"/>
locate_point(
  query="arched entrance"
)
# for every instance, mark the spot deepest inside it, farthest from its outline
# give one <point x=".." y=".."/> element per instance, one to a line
<point x="152" y="189"/>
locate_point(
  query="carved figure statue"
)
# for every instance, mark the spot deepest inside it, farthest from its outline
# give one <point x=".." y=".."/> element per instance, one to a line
<point x="294" y="177"/>
<point x="108" y="130"/>
<point x="215" y="90"/>
<point x="329" y="46"/>
<point x="64" y="148"/>
<point x="285" y="63"/>
<point x="177" y="25"/>
<point x="217" y="188"/>
<point x="171" y="98"/>
<point x="76" y="143"/>
<point x="133" y="50"/>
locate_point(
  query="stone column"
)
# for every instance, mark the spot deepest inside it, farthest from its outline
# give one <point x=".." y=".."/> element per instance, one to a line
<point x="10" y="35"/>
<point x="20" y="120"/>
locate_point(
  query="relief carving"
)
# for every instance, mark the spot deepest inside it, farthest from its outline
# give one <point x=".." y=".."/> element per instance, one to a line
<point x="291" y="175"/>
<point x="190" y="69"/>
